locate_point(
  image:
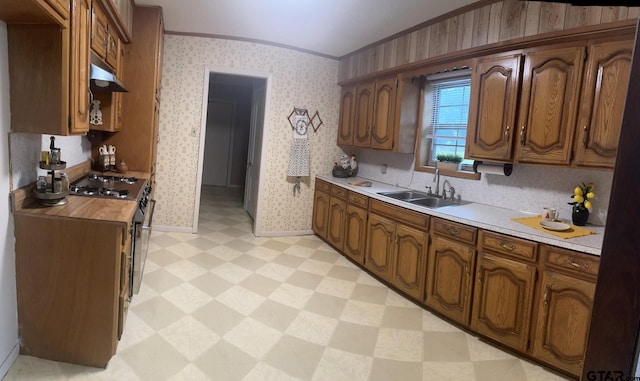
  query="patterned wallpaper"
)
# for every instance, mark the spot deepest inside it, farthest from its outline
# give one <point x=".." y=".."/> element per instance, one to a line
<point x="298" y="79"/>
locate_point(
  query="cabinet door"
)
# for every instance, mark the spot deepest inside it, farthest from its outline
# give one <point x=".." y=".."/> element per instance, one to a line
<point x="347" y="115"/>
<point x="449" y="278"/>
<point x="410" y="261"/>
<point x="320" y="214"/>
<point x="383" y="130"/>
<point x="564" y="315"/>
<point x="502" y="300"/>
<point x="550" y="92"/>
<point x="364" y="114"/>
<point x="335" y="231"/>
<point x="355" y="233"/>
<point x="380" y="239"/>
<point x="79" y="63"/>
<point x="492" y="108"/>
<point x="604" y="93"/>
<point x="99" y="33"/>
<point x="61" y="6"/>
<point x="113" y="49"/>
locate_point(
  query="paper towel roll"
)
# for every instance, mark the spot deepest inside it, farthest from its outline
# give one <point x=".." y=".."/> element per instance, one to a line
<point x="493" y="168"/>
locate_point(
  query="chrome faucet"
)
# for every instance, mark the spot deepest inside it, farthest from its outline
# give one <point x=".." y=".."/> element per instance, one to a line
<point x="436" y="179"/>
<point x="451" y="190"/>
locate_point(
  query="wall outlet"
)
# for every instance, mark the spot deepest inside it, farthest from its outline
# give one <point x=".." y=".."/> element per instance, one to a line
<point x="383" y="169"/>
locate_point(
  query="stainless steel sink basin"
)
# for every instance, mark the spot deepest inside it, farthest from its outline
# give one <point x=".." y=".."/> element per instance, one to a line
<point x="419" y="198"/>
<point x="433" y="202"/>
<point x="405" y="195"/>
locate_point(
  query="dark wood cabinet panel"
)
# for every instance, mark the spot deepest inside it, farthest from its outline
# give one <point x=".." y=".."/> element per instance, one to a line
<point x="355" y="233"/>
<point x="380" y="241"/>
<point x="347" y="115"/>
<point x="410" y="261"/>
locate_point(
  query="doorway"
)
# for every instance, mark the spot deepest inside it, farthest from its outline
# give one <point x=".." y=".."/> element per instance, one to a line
<point x="231" y="136"/>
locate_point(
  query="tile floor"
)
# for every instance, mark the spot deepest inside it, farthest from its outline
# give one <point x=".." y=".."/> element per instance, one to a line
<point x="226" y="305"/>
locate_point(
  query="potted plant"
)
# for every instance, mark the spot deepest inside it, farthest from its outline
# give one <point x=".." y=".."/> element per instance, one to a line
<point x="449" y="161"/>
<point x="582" y="196"/>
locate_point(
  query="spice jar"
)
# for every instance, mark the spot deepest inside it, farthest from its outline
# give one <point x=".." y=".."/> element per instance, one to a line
<point x="57" y="185"/>
<point x="65" y="181"/>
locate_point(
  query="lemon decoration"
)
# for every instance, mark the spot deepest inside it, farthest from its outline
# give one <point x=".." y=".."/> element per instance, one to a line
<point x="590" y="196"/>
<point x="578" y="191"/>
<point x="587" y="204"/>
<point x="578" y="198"/>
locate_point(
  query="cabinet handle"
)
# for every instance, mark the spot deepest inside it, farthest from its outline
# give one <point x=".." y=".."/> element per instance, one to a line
<point x="546" y="294"/>
<point x="506" y="134"/>
<point x="585" y="137"/>
<point x="452" y="230"/>
<point x="522" y="136"/>
<point x="507" y="246"/>
<point x="576" y="264"/>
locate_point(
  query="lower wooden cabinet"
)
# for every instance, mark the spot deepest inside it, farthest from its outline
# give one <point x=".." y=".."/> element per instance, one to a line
<point x="450" y="278"/>
<point x="481" y="279"/>
<point x="564" y="316"/>
<point x="380" y="239"/>
<point x="320" y="222"/>
<point x="355" y="233"/>
<point x="503" y="299"/>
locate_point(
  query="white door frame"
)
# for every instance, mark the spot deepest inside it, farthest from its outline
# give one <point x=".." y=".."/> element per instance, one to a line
<point x="208" y="70"/>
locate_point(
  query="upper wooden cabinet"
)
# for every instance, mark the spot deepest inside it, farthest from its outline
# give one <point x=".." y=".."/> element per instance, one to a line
<point x="137" y="141"/>
<point x="380" y="114"/>
<point x="36" y="11"/>
<point x="104" y="39"/>
<point x="548" y="108"/>
<point x="346" y="128"/>
<point x="604" y="92"/>
<point x="49" y="74"/>
<point x="495" y="82"/>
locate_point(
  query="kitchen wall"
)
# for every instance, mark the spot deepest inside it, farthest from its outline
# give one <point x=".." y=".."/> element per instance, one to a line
<point x="8" y="303"/>
<point x="297" y="80"/>
<point x="528" y="189"/>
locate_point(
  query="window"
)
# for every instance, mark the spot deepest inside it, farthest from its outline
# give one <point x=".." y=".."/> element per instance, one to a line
<point x="445" y="115"/>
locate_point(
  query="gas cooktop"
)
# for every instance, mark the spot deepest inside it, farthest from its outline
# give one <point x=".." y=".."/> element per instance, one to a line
<point x="105" y="186"/>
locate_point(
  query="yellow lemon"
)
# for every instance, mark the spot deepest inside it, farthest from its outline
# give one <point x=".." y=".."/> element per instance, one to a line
<point x="578" y="191"/>
<point x="587" y="204"/>
<point x="591" y="195"/>
<point x="578" y="198"/>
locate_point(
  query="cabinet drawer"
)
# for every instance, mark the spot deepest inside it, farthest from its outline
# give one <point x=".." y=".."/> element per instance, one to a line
<point x="510" y="246"/>
<point x="339" y="192"/>
<point x="571" y="261"/>
<point x="459" y="232"/>
<point x="406" y="216"/>
<point x="358" y="199"/>
<point x="322" y="185"/>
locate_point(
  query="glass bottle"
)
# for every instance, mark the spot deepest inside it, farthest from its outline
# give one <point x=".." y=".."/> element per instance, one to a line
<point x="65" y="181"/>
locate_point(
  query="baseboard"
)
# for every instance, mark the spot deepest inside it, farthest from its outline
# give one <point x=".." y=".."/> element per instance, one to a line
<point x="9" y="360"/>
<point x="173" y="229"/>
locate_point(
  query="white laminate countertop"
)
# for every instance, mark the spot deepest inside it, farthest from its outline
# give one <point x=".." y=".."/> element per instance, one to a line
<point x="480" y="215"/>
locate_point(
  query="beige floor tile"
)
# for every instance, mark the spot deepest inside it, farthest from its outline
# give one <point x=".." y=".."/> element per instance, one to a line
<point x="201" y="244"/>
<point x="160" y="280"/>
<point x="260" y="284"/>
<point x="135" y="331"/>
<point x="481" y="351"/>
<point x="276" y="271"/>
<point x="211" y="284"/>
<point x="312" y="327"/>
<point x="253" y="337"/>
<point x="157" y="313"/>
<point x="384" y="370"/>
<point x="163" y="257"/>
<point x="292" y="296"/>
<point x="344" y="273"/>
<point x="315" y="267"/>
<point x="499" y="370"/>
<point x="446" y="346"/>
<point x="185" y="270"/>
<point x="355" y="338"/>
<point x="241" y="300"/>
<point x="240" y="245"/>
<point x="183" y="250"/>
<point x="298" y="358"/>
<point x="327" y="305"/>
<point x="204" y="260"/>
<point x="337" y="365"/>
<point x="450" y="371"/>
<point x="154" y="359"/>
<point x="224" y="253"/>
<point x="336" y="287"/>
<point x="305" y="280"/>
<point x="231" y="272"/>
<point x="275" y="315"/>
<point x="248" y="262"/>
<point x="265" y="372"/>
<point x="190" y="373"/>
<point x="363" y="313"/>
<point x="288" y="260"/>
<point x="399" y="344"/>
<point x="225" y="361"/>
<point x="218" y="317"/>
<point x="276" y="245"/>
<point x="187" y="297"/>
<point x="402" y="318"/>
<point x="189" y="337"/>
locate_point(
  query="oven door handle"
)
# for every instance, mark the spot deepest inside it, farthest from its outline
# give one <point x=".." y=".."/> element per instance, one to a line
<point x="151" y="210"/>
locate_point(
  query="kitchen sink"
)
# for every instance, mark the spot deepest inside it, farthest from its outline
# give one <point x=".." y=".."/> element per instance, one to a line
<point x="433" y="202"/>
<point x="405" y="195"/>
<point x="420" y="198"/>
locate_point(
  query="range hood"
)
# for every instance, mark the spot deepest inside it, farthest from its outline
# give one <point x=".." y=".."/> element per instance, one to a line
<point x="103" y="80"/>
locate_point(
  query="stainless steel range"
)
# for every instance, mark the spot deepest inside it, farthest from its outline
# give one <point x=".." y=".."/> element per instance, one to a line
<point x="125" y="188"/>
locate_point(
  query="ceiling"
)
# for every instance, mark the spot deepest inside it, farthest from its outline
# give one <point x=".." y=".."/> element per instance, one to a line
<point x="329" y="27"/>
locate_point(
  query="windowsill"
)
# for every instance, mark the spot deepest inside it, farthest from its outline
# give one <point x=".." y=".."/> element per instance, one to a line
<point x="445" y="172"/>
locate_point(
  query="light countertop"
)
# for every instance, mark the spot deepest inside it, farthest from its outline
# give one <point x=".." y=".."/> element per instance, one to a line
<point x="483" y="216"/>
